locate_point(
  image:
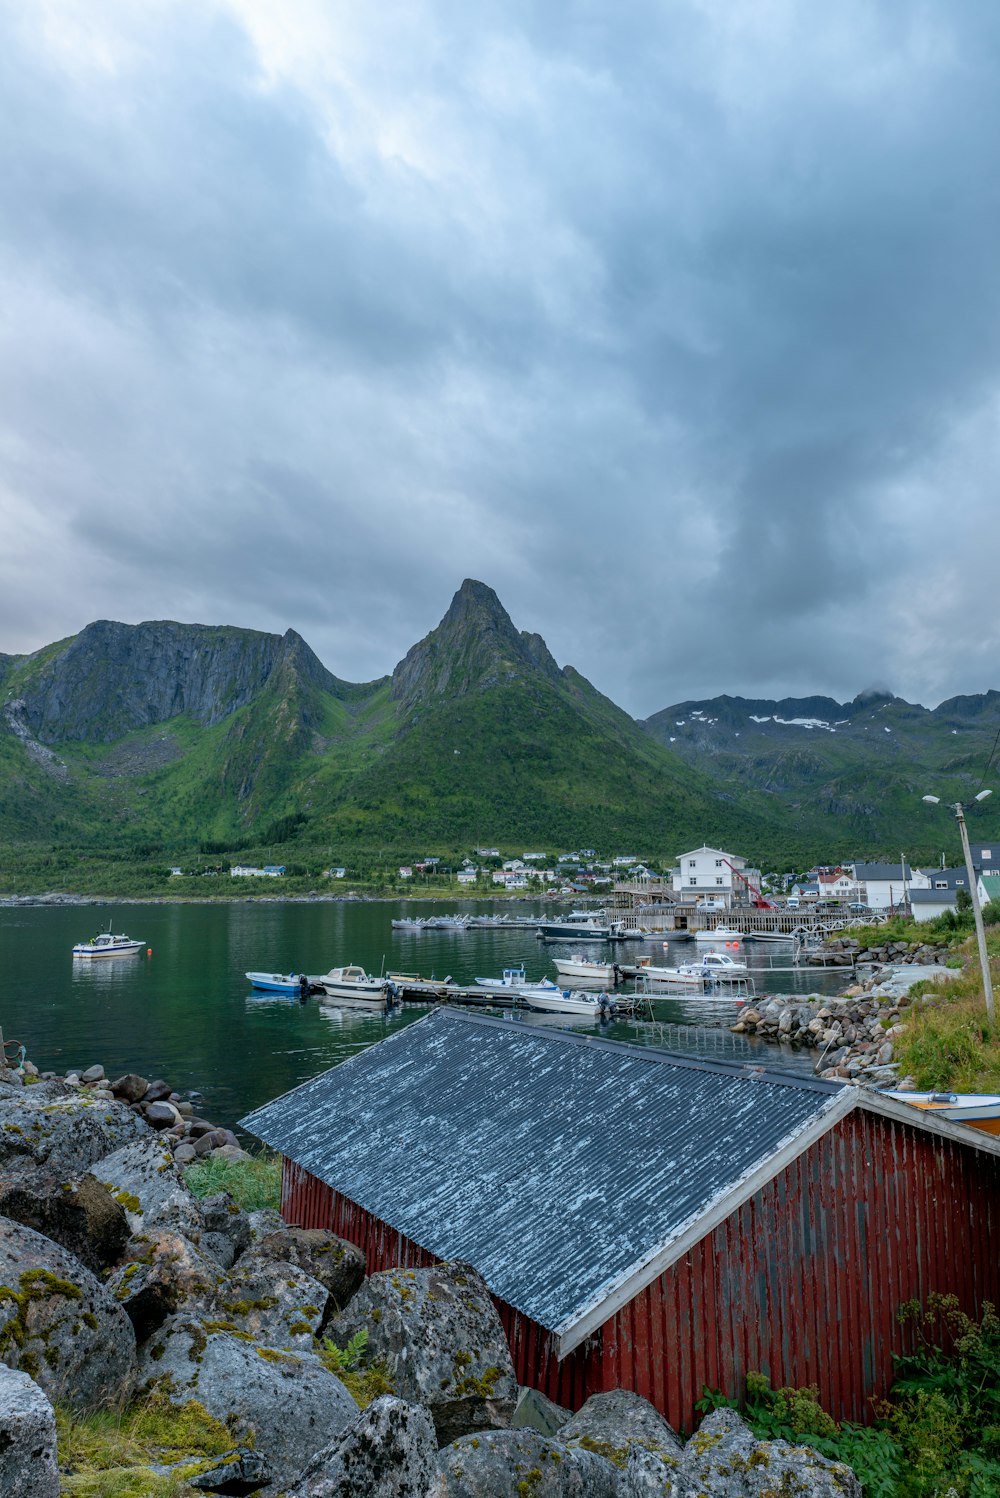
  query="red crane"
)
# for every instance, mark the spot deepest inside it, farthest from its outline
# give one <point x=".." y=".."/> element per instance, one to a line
<point x="758" y="900"/>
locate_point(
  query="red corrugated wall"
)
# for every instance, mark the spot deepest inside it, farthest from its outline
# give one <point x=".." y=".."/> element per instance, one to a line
<point x="803" y="1282"/>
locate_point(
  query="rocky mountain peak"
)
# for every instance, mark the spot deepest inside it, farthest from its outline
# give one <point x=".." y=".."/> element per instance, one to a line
<point x="473" y="648"/>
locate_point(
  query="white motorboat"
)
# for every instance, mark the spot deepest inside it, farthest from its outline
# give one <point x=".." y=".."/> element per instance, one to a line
<point x="579" y="925"/>
<point x="512" y="981"/>
<point x="108" y="945"/>
<point x="560" y="1002"/>
<point x="296" y="983"/>
<point x="720" y="933"/>
<point x="585" y="968"/>
<point x="715" y="965"/>
<point x="351" y="984"/>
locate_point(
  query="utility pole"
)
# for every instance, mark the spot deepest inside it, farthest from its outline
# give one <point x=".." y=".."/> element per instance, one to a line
<point x="984" y="961"/>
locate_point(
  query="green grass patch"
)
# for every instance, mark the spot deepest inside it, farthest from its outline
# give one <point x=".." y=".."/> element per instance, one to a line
<point x="253" y="1184"/>
<point x="111" y="1454"/>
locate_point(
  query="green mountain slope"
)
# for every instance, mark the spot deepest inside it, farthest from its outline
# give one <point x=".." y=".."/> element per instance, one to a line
<point x="175" y="734"/>
<point x="858" y="768"/>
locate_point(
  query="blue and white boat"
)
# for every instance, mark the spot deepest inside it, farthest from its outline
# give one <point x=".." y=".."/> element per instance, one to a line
<point x="279" y="982"/>
<point x="107" y="945"/>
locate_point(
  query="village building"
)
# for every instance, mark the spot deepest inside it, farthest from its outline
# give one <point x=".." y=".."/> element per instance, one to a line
<point x="249" y="871"/>
<point x="710" y="871"/>
<point x="836" y="884"/>
<point x="886" y="886"/>
<point x="467" y="876"/>
<point x="988" y="888"/>
<point x="644" y="1220"/>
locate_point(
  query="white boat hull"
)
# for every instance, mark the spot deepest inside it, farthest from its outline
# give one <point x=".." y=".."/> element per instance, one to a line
<point x="594" y="972"/>
<point x="561" y="1003"/>
<point x="119" y="949"/>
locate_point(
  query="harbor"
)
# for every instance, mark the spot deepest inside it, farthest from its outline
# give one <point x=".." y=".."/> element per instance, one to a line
<point x="188" y="1011"/>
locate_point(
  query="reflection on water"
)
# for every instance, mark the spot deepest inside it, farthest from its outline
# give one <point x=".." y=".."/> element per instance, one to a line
<point x="184" y="1013"/>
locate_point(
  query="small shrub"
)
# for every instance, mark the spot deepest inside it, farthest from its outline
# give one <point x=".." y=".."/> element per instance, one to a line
<point x="363" y="1381"/>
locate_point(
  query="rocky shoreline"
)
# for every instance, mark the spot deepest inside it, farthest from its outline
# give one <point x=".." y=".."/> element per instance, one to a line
<point x="305" y="1378"/>
<point x="855" y="1033"/>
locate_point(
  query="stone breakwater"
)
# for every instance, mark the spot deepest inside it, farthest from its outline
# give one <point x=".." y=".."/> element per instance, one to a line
<point x="189" y="1136"/>
<point x="847" y="951"/>
<point x="118" y="1285"/>
<point x="856" y="1033"/>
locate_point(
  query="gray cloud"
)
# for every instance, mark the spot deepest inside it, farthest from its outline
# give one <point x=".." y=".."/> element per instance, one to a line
<point x="677" y="325"/>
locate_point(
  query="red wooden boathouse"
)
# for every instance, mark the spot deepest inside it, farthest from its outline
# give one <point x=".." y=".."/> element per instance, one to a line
<point x="645" y="1220"/>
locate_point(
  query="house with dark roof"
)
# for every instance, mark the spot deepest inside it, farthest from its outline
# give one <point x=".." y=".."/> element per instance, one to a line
<point x="887" y="885"/>
<point x="645" y="1220"/>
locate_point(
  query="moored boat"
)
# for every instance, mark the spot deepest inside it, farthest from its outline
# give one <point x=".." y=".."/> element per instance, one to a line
<point x="720" y="933"/>
<point x="558" y="1002"/>
<point x="107" y="945"/>
<point x="585" y="968"/>
<point x="351" y="984"/>
<point x="981" y="1110"/>
<point x="279" y="982"/>
<point x="713" y="964"/>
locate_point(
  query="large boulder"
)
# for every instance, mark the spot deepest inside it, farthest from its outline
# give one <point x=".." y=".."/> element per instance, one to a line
<point x="28" y="1463"/>
<point x="275" y="1303"/>
<point x="632" y="1434"/>
<point x="165" y="1274"/>
<point x="724" y="1459"/>
<point x="287" y="1403"/>
<point x="82" y="1215"/>
<point x="67" y="1133"/>
<point x="59" y="1324"/>
<point x="143" y="1178"/>
<point x="226" y="1231"/>
<point x="522" y="1464"/>
<point x="439" y="1335"/>
<point x="338" y="1265"/>
<point x="389" y="1451"/>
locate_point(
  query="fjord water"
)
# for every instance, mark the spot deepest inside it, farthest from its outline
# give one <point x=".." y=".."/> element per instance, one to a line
<point x="186" y="1013"/>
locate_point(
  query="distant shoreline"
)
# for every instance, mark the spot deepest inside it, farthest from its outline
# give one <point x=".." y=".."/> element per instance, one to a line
<point x="58" y="901"/>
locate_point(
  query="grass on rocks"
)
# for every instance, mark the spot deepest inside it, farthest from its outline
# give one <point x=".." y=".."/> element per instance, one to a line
<point x="115" y="1453"/>
<point x="253" y="1184"/>
<point x="947" y="1043"/>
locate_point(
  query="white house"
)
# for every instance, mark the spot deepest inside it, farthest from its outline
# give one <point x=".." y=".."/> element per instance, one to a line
<point x="247" y="871"/>
<point x="710" y="871"/>
<point x="337" y="873"/>
<point x="466" y="876"/>
<point x="887" y="885"/>
<point x="405" y="871"/>
<point x="988" y="888"/>
<point x="513" y="865"/>
<point x="837" y="884"/>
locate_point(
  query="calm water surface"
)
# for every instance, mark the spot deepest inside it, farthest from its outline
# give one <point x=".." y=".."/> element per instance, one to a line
<point x="186" y="1013"/>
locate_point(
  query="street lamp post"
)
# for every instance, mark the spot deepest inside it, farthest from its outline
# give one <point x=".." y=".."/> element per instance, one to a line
<point x="984" y="961"/>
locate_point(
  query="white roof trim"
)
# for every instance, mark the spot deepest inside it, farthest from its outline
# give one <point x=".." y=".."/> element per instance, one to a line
<point x="609" y="1299"/>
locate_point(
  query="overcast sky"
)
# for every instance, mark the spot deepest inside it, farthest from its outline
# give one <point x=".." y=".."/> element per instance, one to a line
<point x="675" y="321"/>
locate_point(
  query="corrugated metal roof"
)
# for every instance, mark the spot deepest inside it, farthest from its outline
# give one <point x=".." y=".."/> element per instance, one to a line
<point x="557" y="1164"/>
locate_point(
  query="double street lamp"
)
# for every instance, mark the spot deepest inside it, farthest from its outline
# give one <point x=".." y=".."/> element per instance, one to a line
<point x="984" y="961"/>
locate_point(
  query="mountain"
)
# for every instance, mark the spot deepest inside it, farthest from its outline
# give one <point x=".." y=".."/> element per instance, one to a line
<point x="170" y="733"/>
<point x="857" y="767"/>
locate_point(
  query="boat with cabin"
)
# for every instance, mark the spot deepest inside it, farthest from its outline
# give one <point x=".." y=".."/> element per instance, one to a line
<point x="720" y="933"/>
<point x="350" y="984"/>
<point x="578" y="925"/>
<point x="107" y="944"/>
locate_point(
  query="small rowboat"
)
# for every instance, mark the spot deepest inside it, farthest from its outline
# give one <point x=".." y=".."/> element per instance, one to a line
<point x="279" y="982"/>
<point x="980" y="1110"/>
